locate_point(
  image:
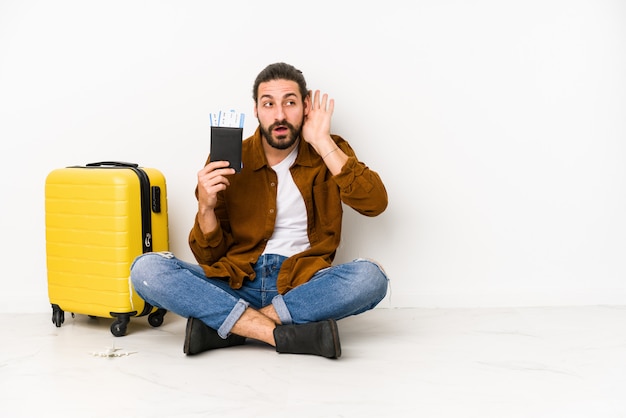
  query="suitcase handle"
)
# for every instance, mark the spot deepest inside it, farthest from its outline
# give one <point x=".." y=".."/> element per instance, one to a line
<point x="113" y="163"/>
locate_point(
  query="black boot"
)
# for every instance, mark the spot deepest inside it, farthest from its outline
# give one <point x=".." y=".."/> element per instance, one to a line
<point x="319" y="338"/>
<point x="199" y="337"/>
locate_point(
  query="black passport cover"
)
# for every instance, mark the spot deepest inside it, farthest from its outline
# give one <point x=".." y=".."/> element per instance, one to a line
<point x="226" y="145"/>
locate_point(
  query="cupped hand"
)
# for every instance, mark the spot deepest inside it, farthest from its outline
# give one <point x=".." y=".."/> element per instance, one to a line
<point x="316" y="127"/>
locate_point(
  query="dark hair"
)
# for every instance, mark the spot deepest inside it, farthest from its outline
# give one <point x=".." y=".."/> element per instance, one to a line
<point x="280" y="71"/>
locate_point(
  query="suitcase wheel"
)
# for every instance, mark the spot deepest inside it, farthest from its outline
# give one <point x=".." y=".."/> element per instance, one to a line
<point x="119" y="326"/>
<point x="156" y="318"/>
<point x="58" y="316"/>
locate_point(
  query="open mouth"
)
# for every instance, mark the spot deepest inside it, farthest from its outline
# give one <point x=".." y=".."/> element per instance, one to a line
<point x="281" y="130"/>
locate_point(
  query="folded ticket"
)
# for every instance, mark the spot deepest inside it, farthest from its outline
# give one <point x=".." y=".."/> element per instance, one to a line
<point x="231" y="119"/>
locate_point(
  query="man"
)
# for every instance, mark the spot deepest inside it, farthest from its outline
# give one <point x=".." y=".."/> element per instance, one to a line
<point x="265" y="238"/>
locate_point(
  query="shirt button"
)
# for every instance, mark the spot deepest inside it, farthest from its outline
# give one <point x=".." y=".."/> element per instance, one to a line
<point x="271" y="210"/>
<point x="272" y="184"/>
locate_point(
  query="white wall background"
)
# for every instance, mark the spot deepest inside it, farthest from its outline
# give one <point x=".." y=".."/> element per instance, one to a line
<point x="499" y="128"/>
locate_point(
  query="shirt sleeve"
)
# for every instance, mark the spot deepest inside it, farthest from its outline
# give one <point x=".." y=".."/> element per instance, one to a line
<point x="361" y="188"/>
<point x="206" y="248"/>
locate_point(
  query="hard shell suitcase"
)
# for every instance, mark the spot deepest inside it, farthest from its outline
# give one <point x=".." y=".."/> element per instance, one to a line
<point x="99" y="217"/>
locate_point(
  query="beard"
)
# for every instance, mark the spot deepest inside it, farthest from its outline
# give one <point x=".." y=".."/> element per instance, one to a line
<point x="281" y="141"/>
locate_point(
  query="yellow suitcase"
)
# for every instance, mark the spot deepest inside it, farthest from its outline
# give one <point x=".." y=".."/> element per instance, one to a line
<point x="99" y="217"/>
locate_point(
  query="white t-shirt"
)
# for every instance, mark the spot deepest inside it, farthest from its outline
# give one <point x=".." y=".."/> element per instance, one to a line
<point x="290" y="232"/>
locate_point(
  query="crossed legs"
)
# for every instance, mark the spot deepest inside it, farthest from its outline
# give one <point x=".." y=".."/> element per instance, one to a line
<point x="301" y="321"/>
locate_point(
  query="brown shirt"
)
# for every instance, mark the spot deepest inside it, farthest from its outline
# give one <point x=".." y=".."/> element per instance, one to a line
<point x="246" y="212"/>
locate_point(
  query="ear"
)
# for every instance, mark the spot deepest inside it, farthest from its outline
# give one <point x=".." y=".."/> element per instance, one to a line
<point x="256" y="113"/>
<point x="307" y="103"/>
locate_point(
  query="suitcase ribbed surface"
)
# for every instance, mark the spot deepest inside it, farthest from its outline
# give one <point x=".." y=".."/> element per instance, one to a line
<point x="93" y="233"/>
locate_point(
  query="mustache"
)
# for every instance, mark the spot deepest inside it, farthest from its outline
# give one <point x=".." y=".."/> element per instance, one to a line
<point x="281" y="123"/>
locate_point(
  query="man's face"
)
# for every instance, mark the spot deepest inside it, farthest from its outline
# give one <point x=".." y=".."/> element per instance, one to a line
<point x="280" y="111"/>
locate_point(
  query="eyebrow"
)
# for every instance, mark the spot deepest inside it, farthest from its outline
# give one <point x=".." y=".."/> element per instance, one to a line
<point x="269" y="96"/>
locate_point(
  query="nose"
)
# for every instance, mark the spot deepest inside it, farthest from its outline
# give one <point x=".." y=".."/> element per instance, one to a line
<point x="279" y="113"/>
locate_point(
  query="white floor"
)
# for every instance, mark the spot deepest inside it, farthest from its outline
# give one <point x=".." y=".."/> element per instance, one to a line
<point x="514" y="362"/>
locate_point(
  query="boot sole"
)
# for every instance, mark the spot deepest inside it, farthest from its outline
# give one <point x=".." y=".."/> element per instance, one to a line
<point x="188" y="335"/>
<point x="335" y="333"/>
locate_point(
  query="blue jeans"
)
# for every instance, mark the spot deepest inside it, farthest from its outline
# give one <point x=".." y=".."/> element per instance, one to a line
<point x="336" y="292"/>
